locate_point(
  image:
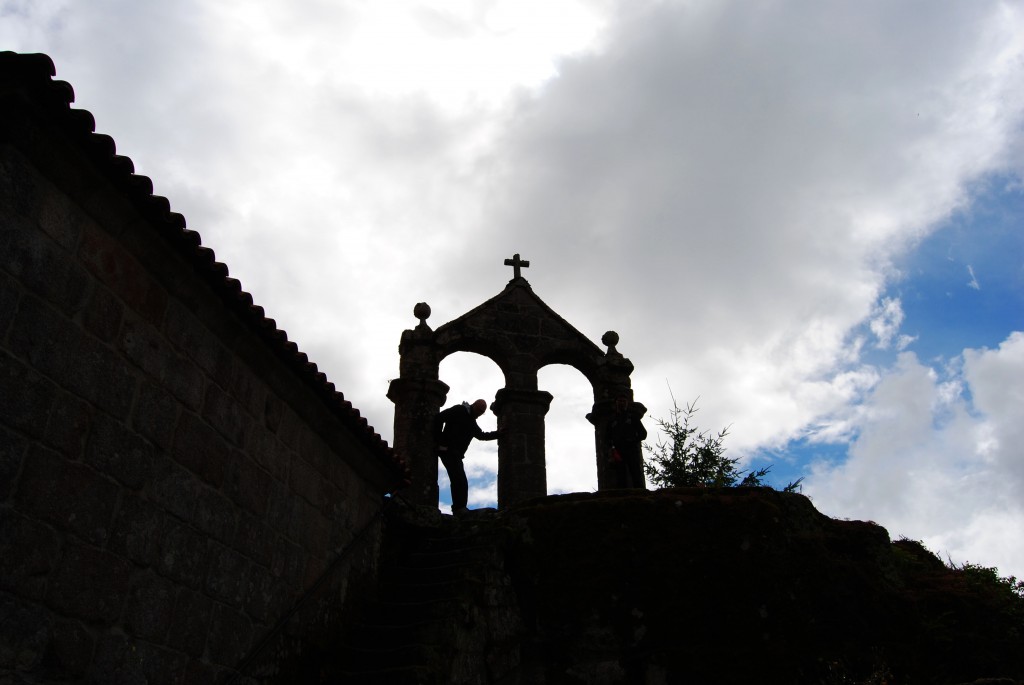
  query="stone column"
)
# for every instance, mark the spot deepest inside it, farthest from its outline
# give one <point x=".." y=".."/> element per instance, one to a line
<point x="417" y="402"/>
<point x="418" y="396"/>
<point x="522" y="472"/>
<point x="600" y="416"/>
<point x="613" y="382"/>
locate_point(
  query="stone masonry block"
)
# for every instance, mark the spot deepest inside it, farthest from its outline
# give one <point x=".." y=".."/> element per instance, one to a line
<point x="289" y="562"/>
<point x="29" y="551"/>
<point x="90" y="583"/>
<point x="223" y="413"/>
<point x="105" y="258"/>
<point x="230" y="636"/>
<point x="102" y="314"/>
<point x="255" y="539"/>
<point x="183" y="555"/>
<point x="43" y="338"/>
<point x="102" y="376"/>
<point x="249" y="389"/>
<point x="190" y="622"/>
<point x="59" y="219"/>
<point x="184" y="380"/>
<point x="279" y="502"/>
<point x="317" y="534"/>
<point x="264" y="596"/>
<point x="10" y="294"/>
<point x="200" y="673"/>
<point x="143" y="344"/>
<point x="117" y="451"/>
<point x="155" y="415"/>
<point x="227" y="576"/>
<point x="138" y="531"/>
<point x="215" y="515"/>
<point x="25" y="630"/>
<point x="247" y="484"/>
<point x="71" y="648"/>
<point x="150" y="605"/>
<point x="297" y="515"/>
<point x="120" y="660"/>
<point x="68" y="425"/>
<point x="12" y="452"/>
<point x="289" y="432"/>
<point x="174" y="488"/>
<point x="67" y="494"/>
<point x="42" y="266"/>
<point x="308" y="484"/>
<point x="272" y="410"/>
<point x="315" y="452"/>
<point x="19" y="183"/>
<point x="200" y="449"/>
<point x="264" y="448"/>
<point x="191" y="338"/>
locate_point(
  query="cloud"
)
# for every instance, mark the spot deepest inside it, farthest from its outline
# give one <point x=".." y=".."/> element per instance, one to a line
<point x="973" y="283"/>
<point x="937" y="457"/>
<point x="888" y="317"/>
<point x="728" y="187"/>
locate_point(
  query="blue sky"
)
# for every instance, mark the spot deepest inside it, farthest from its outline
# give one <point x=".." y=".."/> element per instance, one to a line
<point x="961" y="287"/>
<point x="781" y="208"/>
<point x="964" y="284"/>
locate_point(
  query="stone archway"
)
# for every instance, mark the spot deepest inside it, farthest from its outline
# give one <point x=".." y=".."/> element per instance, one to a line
<point x="521" y="334"/>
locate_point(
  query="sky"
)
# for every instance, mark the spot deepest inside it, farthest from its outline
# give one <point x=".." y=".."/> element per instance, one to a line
<point x="807" y="217"/>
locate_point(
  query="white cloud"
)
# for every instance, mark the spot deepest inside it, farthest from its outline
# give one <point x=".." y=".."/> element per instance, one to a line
<point x="885" y="322"/>
<point x="939" y="460"/>
<point x="973" y="283"/>
<point x="728" y="187"/>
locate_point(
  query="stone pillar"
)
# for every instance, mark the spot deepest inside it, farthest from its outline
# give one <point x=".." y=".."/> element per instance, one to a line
<point x="522" y="472"/>
<point x="417" y="402"/>
<point x="613" y="382"/>
<point x="418" y="396"/>
<point x="600" y="416"/>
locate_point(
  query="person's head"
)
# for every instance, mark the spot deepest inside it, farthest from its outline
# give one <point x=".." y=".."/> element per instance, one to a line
<point x="478" y="408"/>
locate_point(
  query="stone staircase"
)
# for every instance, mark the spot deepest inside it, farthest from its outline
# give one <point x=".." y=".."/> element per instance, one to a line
<point x="445" y="611"/>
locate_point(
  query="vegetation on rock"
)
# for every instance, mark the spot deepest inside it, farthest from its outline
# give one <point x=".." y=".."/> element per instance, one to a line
<point x="689" y="457"/>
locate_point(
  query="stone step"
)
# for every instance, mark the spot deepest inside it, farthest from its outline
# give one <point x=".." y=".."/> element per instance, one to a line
<point x="396" y="574"/>
<point x="415" y="588"/>
<point x="456" y="554"/>
<point x="408" y="635"/>
<point x="397" y="612"/>
<point x="371" y="658"/>
<point x="405" y="675"/>
<point x="433" y="631"/>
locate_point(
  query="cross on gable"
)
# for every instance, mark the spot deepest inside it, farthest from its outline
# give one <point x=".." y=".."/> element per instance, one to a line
<point x="516" y="263"/>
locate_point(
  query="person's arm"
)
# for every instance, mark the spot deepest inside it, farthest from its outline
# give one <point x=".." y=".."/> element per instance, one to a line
<point x="480" y="434"/>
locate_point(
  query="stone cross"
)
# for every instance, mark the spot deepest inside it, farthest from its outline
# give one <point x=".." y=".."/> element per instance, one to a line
<point x="516" y="263"/>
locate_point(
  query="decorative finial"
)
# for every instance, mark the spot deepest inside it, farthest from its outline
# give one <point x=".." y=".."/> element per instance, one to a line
<point x="611" y="339"/>
<point x="516" y="263"/>
<point x="422" y="312"/>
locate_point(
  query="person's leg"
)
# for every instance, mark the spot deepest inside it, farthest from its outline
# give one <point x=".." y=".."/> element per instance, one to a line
<point x="459" y="483"/>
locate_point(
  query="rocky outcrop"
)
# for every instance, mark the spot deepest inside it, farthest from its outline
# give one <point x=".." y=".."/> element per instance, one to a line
<point x="694" y="585"/>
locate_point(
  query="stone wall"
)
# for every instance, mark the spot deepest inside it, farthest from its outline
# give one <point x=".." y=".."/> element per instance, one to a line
<point x="174" y="474"/>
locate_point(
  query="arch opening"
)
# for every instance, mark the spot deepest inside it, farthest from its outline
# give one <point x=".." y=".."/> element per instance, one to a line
<point x="471" y="376"/>
<point x="569" y="437"/>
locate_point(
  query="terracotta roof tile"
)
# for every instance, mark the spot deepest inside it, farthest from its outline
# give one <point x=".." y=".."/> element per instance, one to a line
<point x="32" y="76"/>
